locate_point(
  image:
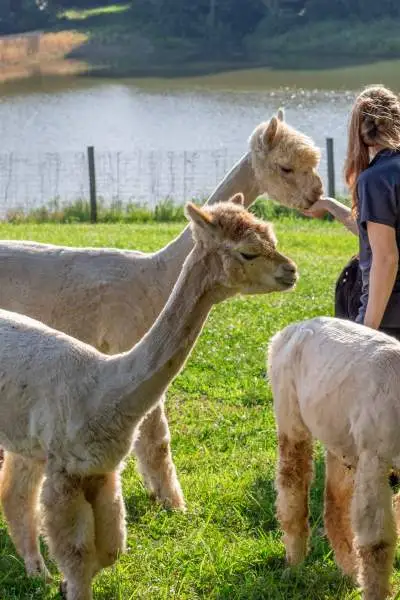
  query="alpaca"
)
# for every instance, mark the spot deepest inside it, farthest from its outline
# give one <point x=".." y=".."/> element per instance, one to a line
<point x="69" y="412"/>
<point x="94" y="294"/>
<point x="339" y="382"/>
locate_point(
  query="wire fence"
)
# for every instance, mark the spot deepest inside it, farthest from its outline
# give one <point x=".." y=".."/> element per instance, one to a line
<point x="35" y="180"/>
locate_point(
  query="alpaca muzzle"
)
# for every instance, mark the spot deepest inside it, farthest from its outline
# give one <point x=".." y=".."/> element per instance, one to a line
<point x="287" y="274"/>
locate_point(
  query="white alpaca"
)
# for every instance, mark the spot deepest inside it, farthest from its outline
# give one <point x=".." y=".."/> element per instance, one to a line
<point x="339" y="382"/>
<point x="70" y="412"/>
<point x="110" y="298"/>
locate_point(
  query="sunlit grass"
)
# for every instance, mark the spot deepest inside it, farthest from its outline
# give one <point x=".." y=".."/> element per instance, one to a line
<point x="81" y="14"/>
<point x="228" y="544"/>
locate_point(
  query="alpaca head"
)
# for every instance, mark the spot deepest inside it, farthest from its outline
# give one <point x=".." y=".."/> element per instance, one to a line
<point x="285" y="162"/>
<point x="248" y="261"/>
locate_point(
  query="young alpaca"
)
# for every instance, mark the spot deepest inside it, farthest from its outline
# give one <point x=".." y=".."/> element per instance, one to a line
<point x="69" y="412"/>
<point x="94" y="294"/>
<point x="339" y="382"/>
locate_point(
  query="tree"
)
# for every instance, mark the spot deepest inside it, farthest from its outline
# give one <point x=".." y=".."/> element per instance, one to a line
<point x="23" y="15"/>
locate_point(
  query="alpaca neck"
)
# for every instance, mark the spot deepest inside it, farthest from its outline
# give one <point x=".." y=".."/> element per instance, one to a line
<point x="145" y="372"/>
<point x="239" y="179"/>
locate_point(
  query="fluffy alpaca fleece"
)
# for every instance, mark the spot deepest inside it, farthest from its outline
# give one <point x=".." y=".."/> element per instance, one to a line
<point x="339" y="382"/>
<point x="69" y="412"/>
<point x="109" y="298"/>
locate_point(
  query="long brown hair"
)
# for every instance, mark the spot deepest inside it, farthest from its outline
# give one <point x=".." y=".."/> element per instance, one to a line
<point x="374" y="121"/>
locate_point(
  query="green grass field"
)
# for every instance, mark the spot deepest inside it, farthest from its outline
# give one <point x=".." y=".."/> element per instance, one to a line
<point x="228" y="545"/>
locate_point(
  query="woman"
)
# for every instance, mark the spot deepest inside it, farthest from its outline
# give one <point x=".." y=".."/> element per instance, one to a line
<point x="372" y="172"/>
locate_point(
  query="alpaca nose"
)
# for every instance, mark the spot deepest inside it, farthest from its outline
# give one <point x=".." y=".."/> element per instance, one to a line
<point x="289" y="268"/>
<point x="287" y="273"/>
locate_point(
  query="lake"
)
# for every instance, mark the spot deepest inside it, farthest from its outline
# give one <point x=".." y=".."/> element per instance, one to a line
<point x="159" y="137"/>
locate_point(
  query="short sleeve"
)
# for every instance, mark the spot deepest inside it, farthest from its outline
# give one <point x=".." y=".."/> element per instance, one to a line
<point x="376" y="201"/>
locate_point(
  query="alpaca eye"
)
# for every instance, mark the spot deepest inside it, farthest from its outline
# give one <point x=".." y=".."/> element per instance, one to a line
<point x="248" y="256"/>
<point x="286" y="170"/>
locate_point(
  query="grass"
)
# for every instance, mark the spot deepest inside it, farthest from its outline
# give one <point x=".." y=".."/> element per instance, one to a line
<point x="166" y="211"/>
<point x="83" y="14"/>
<point x="228" y="545"/>
<point x="117" y="212"/>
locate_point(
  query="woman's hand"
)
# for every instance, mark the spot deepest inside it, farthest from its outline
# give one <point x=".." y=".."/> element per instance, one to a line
<point x="317" y="210"/>
<point x="339" y="211"/>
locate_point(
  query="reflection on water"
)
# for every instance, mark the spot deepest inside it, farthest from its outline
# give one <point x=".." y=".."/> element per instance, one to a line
<point x="218" y="112"/>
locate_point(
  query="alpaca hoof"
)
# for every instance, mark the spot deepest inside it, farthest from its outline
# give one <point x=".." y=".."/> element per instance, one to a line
<point x="63" y="590"/>
<point x="175" y="504"/>
<point x="349" y="569"/>
<point x="36" y="568"/>
<point x="296" y="550"/>
<point x="173" y="500"/>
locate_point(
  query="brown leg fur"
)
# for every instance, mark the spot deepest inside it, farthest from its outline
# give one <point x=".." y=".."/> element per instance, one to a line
<point x="104" y="494"/>
<point x="19" y="492"/>
<point x="374" y="526"/>
<point x="70" y="528"/>
<point x="294" y="476"/>
<point x="339" y="486"/>
<point x="153" y="451"/>
<point x="396" y="510"/>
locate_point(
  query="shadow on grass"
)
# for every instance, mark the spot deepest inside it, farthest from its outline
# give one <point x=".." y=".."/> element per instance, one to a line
<point x="317" y="578"/>
<point x="269" y="577"/>
<point x="137" y="504"/>
<point x="14" y="583"/>
<point x="314" y="580"/>
<point x="260" y="510"/>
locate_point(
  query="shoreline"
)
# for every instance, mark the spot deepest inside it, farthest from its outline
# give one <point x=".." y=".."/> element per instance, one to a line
<point x="247" y="77"/>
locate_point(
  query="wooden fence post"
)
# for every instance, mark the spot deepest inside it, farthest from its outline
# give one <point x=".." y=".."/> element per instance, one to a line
<point x="331" y="167"/>
<point x="92" y="184"/>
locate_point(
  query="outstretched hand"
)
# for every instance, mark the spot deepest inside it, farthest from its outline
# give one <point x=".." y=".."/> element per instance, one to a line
<point x="317" y="210"/>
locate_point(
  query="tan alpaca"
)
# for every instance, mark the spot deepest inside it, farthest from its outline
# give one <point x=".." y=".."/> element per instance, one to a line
<point x="110" y="298"/>
<point x="339" y="382"/>
<point x="69" y="412"/>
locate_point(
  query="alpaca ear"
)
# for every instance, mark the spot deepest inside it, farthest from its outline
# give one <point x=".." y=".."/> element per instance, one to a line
<point x="269" y="134"/>
<point x="280" y="114"/>
<point x="198" y="216"/>
<point x="237" y="199"/>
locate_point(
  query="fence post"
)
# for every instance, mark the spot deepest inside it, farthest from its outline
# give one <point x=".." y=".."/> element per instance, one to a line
<point x="331" y="167"/>
<point x="92" y="184"/>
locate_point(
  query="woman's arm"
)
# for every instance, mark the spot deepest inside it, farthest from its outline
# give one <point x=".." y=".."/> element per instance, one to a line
<point x="385" y="261"/>
<point x="338" y="210"/>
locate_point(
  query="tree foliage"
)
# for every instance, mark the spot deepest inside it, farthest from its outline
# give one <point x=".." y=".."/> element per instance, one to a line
<point x="23" y="15"/>
<point x="207" y="20"/>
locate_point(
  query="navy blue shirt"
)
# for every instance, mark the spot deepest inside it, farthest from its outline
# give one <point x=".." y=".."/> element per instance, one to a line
<point x="378" y="191"/>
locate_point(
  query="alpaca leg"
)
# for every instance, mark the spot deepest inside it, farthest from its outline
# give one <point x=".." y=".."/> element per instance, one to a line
<point x="374" y="527"/>
<point x="396" y="510"/>
<point x="70" y="530"/>
<point x="19" y="493"/>
<point x="105" y="496"/>
<point x="294" y="476"/>
<point x="153" y="451"/>
<point x="339" y="486"/>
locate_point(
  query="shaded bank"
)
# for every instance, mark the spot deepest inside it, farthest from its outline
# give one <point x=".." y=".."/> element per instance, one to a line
<point x="107" y="42"/>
